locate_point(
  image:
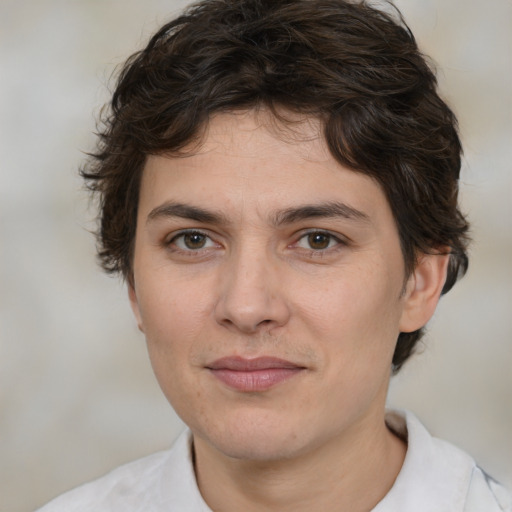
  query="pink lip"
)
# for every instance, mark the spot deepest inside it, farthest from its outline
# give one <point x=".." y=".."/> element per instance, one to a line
<point x="252" y="375"/>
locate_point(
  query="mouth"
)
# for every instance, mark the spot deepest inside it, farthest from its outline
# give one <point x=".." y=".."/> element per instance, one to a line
<point x="253" y="375"/>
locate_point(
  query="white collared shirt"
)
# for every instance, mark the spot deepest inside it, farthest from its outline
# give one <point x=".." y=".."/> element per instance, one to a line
<point x="435" y="477"/>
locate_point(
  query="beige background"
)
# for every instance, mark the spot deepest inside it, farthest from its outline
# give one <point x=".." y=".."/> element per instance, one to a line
<point x="77" y="396"/>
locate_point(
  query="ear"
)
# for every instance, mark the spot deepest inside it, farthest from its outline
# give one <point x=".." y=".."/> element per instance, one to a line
<point x="134" y="303"/>
<point x="423" y="290"/>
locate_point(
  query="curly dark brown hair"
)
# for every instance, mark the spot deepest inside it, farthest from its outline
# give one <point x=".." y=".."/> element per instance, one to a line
<point x="356" y="68"/>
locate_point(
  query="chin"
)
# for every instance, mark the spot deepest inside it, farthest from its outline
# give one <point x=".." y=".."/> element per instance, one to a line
<point x="256" y="438"/>
<point x="258" y="448"/>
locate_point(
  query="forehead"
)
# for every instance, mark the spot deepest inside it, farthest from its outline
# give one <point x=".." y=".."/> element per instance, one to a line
<point x="255" y="134"/>
<point x="248" y="159"/>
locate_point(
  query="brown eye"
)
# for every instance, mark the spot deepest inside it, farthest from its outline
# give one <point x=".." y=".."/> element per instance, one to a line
<point x="192" y="241"/>
<point x="319" y="241"/>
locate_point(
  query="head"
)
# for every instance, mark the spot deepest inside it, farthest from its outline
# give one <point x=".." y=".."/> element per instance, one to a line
<point x="355" y="70"/>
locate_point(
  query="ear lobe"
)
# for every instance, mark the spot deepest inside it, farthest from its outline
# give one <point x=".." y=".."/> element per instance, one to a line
<point x="423" y="290"/>
<point x="134" y="303"/>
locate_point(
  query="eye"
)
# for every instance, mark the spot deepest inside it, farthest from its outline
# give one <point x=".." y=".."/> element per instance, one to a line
<point x="318" y="241"/>
<point x="191" y="241"/>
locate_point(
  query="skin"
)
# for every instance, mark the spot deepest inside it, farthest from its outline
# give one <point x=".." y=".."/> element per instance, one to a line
<point x="252" y="280"/>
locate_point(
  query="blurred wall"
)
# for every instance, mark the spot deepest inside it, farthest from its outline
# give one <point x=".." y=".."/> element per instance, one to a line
<point x="77" y="396"/>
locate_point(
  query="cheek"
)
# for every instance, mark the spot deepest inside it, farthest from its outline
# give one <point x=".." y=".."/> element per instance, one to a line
<point x="172" y="308"/>
<point x="173" y="331"/>
<point x="356" y="299"/>
<point x="355" y="319"/>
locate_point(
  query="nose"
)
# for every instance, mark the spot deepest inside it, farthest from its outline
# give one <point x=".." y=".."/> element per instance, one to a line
<point x="251" y="298"/>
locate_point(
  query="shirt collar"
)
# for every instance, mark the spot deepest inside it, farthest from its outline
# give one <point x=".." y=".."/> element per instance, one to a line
<point x="435" y="474"/>
<point x="178" y="488"/>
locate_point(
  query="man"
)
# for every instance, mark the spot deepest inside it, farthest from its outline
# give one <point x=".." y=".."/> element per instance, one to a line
<point x="278" y="185"/>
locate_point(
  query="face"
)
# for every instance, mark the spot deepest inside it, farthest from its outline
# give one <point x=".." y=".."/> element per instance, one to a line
<point x="268" y="281"/>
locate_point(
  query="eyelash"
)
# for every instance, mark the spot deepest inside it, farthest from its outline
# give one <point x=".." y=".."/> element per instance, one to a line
<point x="333" y="242"/>
<point x="172" y="243"/>
<point x="330" y="237"/>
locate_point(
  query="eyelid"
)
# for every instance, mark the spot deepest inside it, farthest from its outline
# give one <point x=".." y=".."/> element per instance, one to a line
<point x="340" y="239"/>
<point x="170" y="240"/>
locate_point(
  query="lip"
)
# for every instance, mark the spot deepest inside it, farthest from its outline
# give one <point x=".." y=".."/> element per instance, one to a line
<point x="253" y="375"/>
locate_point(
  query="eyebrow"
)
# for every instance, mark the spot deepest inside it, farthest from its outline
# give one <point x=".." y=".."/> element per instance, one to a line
<point x="325" y="210"/>
<point x="282" y="217"/>
<point x="186" y="211"/>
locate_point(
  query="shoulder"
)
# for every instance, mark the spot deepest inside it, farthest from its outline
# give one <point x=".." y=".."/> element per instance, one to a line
<point x="484" y="493"/>
<point x="121" y="489"/>
<point x="160" y="482"/>
<point x="437" y="475"/>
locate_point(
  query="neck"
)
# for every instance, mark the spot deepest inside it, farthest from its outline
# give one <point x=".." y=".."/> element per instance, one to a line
<point x="352" y="472"/>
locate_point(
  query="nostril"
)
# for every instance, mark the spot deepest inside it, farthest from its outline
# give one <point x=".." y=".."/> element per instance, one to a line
<point x="250" y="307"/>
